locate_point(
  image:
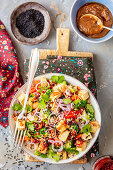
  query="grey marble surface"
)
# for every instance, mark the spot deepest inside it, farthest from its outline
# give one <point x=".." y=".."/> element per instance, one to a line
<point x="103" y="62"/>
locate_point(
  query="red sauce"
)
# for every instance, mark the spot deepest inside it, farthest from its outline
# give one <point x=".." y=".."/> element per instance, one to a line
<point x="104" y="163"/>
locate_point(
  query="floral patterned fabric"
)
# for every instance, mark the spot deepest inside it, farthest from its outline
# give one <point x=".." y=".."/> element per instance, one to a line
<point x="80" y="68"/>
<point x="10" y="79"/>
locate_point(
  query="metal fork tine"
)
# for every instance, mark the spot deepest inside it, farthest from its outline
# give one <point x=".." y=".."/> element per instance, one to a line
<point x="20" y="137"/>
<point x="17" y="137"/>
<point x="23" y="138"/>
<point x="15" y="132"/>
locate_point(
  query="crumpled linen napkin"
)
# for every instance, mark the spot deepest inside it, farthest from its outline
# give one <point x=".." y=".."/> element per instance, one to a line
<point x="10" y="77"/>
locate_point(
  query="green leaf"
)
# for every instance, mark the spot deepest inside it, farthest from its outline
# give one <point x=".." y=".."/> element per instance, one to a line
<point x="42" y="131"/>
<point x="56" y="157"/>
<point x="86" y="129"/>
<point x="75" y="127"/>
<point x="54" y="79"/>
<point x="58" y="79"/>
<point x="67" y="101"/>
<point x="48" y="92"/>
<point x="90" y="108"/>
<point x="71" y="89"/>
<point x="42" y="104"/>
<point x="37" y="153"/>
<point x="28" y="134"/>
<point x="30" y="126"/>
<point x="44" y="155"/>
<point x="64" y="82"/>
<point x="32" y="95"/>
<point x="79" y="103"/>
<point x="28" y="108"/>
<point x="61" y="79"/>
<point x="91" y="111"/>
<point x="43" y="88"/>
<point x="17" y="107"/>
<point x="45" y="97"/>
<point x="69" y="149"/>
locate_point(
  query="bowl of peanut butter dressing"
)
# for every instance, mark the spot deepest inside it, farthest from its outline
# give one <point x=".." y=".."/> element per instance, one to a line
<point x="86" y="26"/>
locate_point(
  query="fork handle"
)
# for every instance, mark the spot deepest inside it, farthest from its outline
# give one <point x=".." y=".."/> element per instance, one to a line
<point x="34" y="60"/>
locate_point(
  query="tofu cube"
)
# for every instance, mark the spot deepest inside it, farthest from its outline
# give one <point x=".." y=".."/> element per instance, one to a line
<point x="62" y="154"/>
<point x="30" y="117"/>
<point x="41" y="148"/>
<point x="62" y="126"/>
<point x="64" y="135"/>
<point x="21" y="98"/>
<point x="94" y="126"/>
<point x="83" y="94"/>
<point x="21" y="124"/>
<point x="44" y="82"/>
<point x="86" y="136"/>
<point x="81" y="147"/>
<point x="35" y="105"/>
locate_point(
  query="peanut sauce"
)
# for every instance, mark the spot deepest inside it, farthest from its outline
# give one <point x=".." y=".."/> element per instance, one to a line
<point x="88" y="25"/>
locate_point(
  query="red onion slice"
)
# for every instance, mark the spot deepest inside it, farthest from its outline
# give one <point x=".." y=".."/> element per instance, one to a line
<point x="40" y="83"/>
<point x="37" y="114"/>
<point x="57" y="150"/>
<point x="34" y="146"/>
<point x="68" y="93"/>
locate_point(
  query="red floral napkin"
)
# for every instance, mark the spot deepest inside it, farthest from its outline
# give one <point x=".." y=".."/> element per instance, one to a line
<point x="10" y="79"/>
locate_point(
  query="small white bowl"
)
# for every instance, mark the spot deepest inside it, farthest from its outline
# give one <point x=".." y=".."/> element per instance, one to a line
<point x="74" y="82"/>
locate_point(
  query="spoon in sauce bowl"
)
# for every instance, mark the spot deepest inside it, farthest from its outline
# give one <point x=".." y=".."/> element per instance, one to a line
<point x="93" y="24"/>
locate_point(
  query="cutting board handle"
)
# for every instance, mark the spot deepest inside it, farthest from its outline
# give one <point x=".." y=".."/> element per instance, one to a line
<point x="62" y="40"/>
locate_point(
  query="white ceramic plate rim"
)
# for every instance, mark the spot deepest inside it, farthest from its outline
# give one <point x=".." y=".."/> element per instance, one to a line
<point x="75" y="82"/>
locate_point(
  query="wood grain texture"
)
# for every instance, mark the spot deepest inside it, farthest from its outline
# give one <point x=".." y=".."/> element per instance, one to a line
<point x="62" y="40"/>
<point x="31" y="159"/>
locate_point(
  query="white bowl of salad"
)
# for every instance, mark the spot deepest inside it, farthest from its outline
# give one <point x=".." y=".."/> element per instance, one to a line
<point x="62" y="118"/>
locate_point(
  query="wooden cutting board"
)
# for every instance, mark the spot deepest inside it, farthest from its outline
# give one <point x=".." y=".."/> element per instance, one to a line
<point x="62" y="41"/>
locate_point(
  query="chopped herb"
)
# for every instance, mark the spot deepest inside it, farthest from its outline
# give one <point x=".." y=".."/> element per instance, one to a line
<point x="37" y="153"/>
<point x="30" y="126"/>
<point x="71" y="89"/>
<point x="79" y="103"/>
<point x="52" y="154"/>
<point x="61" y="79"/>
<point x="42" y="131"/>
<point x="45" y="97"/>
<point x="32" y="95"/>
<point x="86" y="129"/>
<point x="67" y="101"/>
<point x="17" y="107"/>
<point x="69" y="149"/>
<point x="54" y="79"/>
<point x="90" y="108"/>
<point x="28" y="134"/>
<point x="72" y="150"/>
<point x="48" y="92"/>
<point x="43" y="88"/>
<point x="44" y="155"/>
<point x="75" y="127"/>
<point x="41" y="104"/>
<point x="28" y="108"/>
<point x="91" y="111"/>
<point x="58" y="79"/>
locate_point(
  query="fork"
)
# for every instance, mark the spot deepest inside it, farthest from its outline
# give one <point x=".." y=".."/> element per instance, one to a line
<point x="33" y="64"/>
